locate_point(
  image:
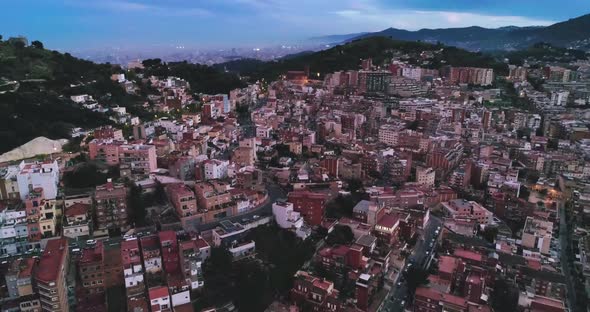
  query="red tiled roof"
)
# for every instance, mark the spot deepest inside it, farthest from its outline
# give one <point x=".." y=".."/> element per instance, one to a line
<point x="94" y="254"/>
<point x="539" y="301"/>
<point x="438" y="296"/>
<point x="51" y="260"/>
<point x="340" y="250"/>
<point x="474" y="278"/>
<point x="184" y="308"/>
<point x="201" y="243"/>
<point x="470" y="255"/>
<point x="167" y="236"/>
<point x="534" y="264"/>
<point x="158" y="292"/>
<point x="27" y="269"/>
<point x="448" y="264"/>
<point x="388" y="221"/>
<point x="77" y="209"/>
<point x="322" y="284"/>
<point x="149" y="242"/>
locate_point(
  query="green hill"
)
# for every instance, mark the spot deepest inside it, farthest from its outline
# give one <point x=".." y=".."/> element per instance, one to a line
<point x="543" y="53"/>
<point x="347" y="56"/>
<point x="35" y="85"/>
<point x="34" y="104"/>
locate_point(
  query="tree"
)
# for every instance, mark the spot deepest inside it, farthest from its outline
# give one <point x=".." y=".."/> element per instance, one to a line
<point x="218" y="282"/>
<point x="340" y="235"/>
<point x="524" y="192"/>
<point x="37" y="44"/>
<point x="341" y="206"/>
<point x="135" y="204"/>
<point x="490" y="233"/>
<point x="152" y="62"/>
<point x="83" y="176"/>
<point x="415" y="277"/>
<point x="283" y="251"/>
<point x="253" y="289"/>
<point x="160" y="194"/>
<point x="354" y="185"/>
<point x="504" y="296"/>
<point x="18" y="44"/>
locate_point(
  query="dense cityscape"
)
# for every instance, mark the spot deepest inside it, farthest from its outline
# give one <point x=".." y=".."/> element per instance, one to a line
<point x="377" y="174"/>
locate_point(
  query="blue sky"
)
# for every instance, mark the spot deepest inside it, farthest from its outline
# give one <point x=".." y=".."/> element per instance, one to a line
<point x="79" y="24"/>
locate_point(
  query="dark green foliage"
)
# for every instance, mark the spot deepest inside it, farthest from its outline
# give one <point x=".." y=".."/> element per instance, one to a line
<point x="348" y="56"/>
<point x="217" y="276"/>
<point x="253" y="284"/>
<point x="73" y="145"/>
<point x="27" y="115"/>
<point x="136" y="205"/>
<point x="524" y="192"/>
<point x="544" y="52"/>
<point x="36" y="108"/>
<point x="354" y="186"/>
<point x="504" y="296"/>
<point x="489" y="234"/>
<point x="283" y="251"/>
<point x="160" y="193"/>
<point x="37" y="44"/>
<point x="341" y="206"/>
<point x="202" y="78"/>
<point x="340" y="235"/>
<point x="83" y="176"/>
<point x="415" y="277"/>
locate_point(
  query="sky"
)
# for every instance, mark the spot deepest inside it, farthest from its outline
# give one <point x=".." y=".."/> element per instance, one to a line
<point x="87" y="24"/>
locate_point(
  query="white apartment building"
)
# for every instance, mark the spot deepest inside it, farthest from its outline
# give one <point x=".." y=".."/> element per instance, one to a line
<point x="43" y="175"/>
<point x="215" y="169"/>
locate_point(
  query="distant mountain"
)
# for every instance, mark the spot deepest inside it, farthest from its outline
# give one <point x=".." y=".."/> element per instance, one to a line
<point x="335" y="38"/>
<point x="572" y="33"/>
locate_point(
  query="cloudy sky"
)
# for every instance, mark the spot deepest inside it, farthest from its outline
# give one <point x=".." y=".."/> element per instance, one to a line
<point x="77" y="24"/>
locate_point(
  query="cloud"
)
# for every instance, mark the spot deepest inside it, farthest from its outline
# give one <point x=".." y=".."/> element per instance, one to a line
<point x="118" y="6"/>
<point x="377" y="19"/>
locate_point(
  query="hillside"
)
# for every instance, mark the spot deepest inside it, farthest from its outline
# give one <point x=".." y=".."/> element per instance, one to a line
<point x="347" y="56"/>
<point x="202" y="78"/>
<point x="334" y="38"/>
<point x="35" y="106"/>
<point x="35" y="85"/>
<point x="574" y="32"/>
<point x="542" y="53"/>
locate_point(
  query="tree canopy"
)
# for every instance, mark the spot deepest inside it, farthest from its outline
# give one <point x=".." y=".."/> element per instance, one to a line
<point x="340" y="235"/>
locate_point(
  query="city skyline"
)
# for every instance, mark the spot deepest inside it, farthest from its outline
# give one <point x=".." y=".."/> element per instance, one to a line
<point x="74" y="25"/>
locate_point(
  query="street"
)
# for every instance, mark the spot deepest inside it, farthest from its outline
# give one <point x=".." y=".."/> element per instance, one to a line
<point x="565" y="241"/>
<point x="398" y="294"/>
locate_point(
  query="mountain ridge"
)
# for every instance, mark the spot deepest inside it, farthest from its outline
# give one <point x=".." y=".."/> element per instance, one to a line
<point x="574" y="32"/>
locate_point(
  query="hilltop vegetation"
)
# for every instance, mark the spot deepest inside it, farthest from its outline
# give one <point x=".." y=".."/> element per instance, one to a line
<point x="34" y="105"/>
<point x="202" y="78"/>
<point x="348" y="56"/>
<point x="544" y="53"/>
<point x="35" y="85"/>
